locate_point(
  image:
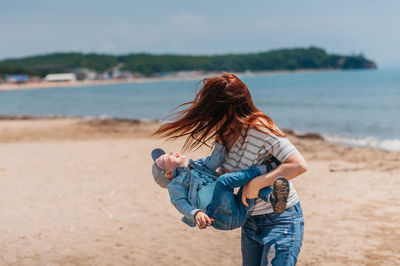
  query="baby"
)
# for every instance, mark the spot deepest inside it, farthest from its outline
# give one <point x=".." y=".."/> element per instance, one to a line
<point x="206" y="198"/>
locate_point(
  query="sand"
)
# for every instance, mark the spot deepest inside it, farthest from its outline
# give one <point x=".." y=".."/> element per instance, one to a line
<point x="80" y="192"/>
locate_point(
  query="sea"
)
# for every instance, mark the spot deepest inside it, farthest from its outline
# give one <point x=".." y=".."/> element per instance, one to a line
<point x="353" y="107"/>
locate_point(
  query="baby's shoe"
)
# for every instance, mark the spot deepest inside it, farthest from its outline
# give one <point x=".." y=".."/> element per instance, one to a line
<point x="279" y="195"/>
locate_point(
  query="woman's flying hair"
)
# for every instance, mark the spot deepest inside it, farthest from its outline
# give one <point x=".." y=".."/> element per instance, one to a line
<point x="222" y="107"/>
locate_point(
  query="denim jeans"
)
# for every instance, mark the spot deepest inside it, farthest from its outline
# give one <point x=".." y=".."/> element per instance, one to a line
<point x="273" y="239"/>
<point x="226" y="208"/>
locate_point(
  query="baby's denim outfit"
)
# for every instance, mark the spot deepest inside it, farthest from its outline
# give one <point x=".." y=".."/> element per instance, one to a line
<point x="199" y="178"/>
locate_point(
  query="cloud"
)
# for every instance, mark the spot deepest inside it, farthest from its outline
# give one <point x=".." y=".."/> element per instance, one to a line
<point x="187" y="19"/>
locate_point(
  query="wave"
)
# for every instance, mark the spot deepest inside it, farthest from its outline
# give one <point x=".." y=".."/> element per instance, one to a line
<point x="370" y="142"/>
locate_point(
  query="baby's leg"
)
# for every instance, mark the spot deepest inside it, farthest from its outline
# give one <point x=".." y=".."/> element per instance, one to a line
<point x="277" y="194"/>
<point x="264" y="193"/>
<point x="266" y="167"/>
<point x="240" y="178"/>
<point x="226" y="208"/>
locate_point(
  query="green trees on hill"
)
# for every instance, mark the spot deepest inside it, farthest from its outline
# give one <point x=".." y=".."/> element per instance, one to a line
<point x="148" y="64"/>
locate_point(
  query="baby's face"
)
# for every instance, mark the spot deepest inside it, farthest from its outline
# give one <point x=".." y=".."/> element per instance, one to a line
<point x="169" y="161"/>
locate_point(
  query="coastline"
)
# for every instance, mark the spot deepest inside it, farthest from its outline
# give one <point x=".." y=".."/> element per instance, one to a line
<point x="391" y="145"/>
<point x="85" y="186"/>
<point x="41" y="128"/>
<point x="177" y="77"/>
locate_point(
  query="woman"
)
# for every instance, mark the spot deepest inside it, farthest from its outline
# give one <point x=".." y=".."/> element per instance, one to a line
<point x="223" y="109"/>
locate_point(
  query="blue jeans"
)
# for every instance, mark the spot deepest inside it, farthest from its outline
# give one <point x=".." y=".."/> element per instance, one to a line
<point x="273" y="239"/>
<point x="226" y="208"/>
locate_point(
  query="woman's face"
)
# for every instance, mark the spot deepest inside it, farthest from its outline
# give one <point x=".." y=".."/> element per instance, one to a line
<point x="232" y="130"/>
<point x="231" y="134"/>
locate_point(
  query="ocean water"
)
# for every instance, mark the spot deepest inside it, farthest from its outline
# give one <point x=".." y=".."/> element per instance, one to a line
<point x="357" y="107"/>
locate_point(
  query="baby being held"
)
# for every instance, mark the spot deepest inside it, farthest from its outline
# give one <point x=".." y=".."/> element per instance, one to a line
<point x="206" y="198"/>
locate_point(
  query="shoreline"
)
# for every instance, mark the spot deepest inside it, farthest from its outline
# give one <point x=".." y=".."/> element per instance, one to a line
<point x="177" y="77"/>
<point x="362" y="142"/>
<point x="40" y="128"/>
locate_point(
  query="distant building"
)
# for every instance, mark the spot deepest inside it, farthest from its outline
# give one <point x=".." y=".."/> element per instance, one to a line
<point x="60" y="77"/>
<point x="117" y="74"/>
<point x="86" y="74"/>
<point x="106" y="75"/>
<point x="17" y="78"/>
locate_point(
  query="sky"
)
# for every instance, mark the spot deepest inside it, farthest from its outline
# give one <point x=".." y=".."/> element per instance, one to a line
<point x="200" y="27"/>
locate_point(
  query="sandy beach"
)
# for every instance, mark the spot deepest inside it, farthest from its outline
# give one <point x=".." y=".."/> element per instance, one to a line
<point x="80" y="192"/>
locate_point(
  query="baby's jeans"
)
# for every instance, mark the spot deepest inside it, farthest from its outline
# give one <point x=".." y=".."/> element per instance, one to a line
<point x="226" y="208"/>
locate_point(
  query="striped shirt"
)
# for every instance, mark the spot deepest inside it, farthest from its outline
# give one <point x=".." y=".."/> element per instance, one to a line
<point x="253" y="149"/>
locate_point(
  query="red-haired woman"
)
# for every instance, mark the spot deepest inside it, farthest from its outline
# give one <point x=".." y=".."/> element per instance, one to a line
<point x="223" y="109"/>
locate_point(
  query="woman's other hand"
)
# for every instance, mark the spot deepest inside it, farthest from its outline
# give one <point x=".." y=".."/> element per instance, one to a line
<point x="293" y="166"/>
<point x="249" y="191"/>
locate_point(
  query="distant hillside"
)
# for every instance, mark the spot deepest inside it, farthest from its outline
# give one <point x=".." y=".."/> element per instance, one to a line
<point x="147" y="64"/>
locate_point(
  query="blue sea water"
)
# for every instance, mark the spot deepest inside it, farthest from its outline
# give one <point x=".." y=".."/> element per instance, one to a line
<point x="360" y="107"/>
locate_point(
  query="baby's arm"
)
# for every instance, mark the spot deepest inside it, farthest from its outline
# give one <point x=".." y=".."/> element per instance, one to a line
<point x="178" y="194"/>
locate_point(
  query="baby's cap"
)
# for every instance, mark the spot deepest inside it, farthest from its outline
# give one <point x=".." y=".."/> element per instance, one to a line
<point x="158" y="173"/>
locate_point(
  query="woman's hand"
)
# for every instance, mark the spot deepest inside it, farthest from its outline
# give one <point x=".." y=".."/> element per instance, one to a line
<point x="202" y="220"/>
<point x="249" y="191"/>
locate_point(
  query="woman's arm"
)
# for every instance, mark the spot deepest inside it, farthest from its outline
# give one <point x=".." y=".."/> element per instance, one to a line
<point x="293" y="166"/>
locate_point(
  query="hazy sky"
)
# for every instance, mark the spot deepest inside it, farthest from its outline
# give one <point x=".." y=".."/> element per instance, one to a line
<point x="200" y="27"/>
